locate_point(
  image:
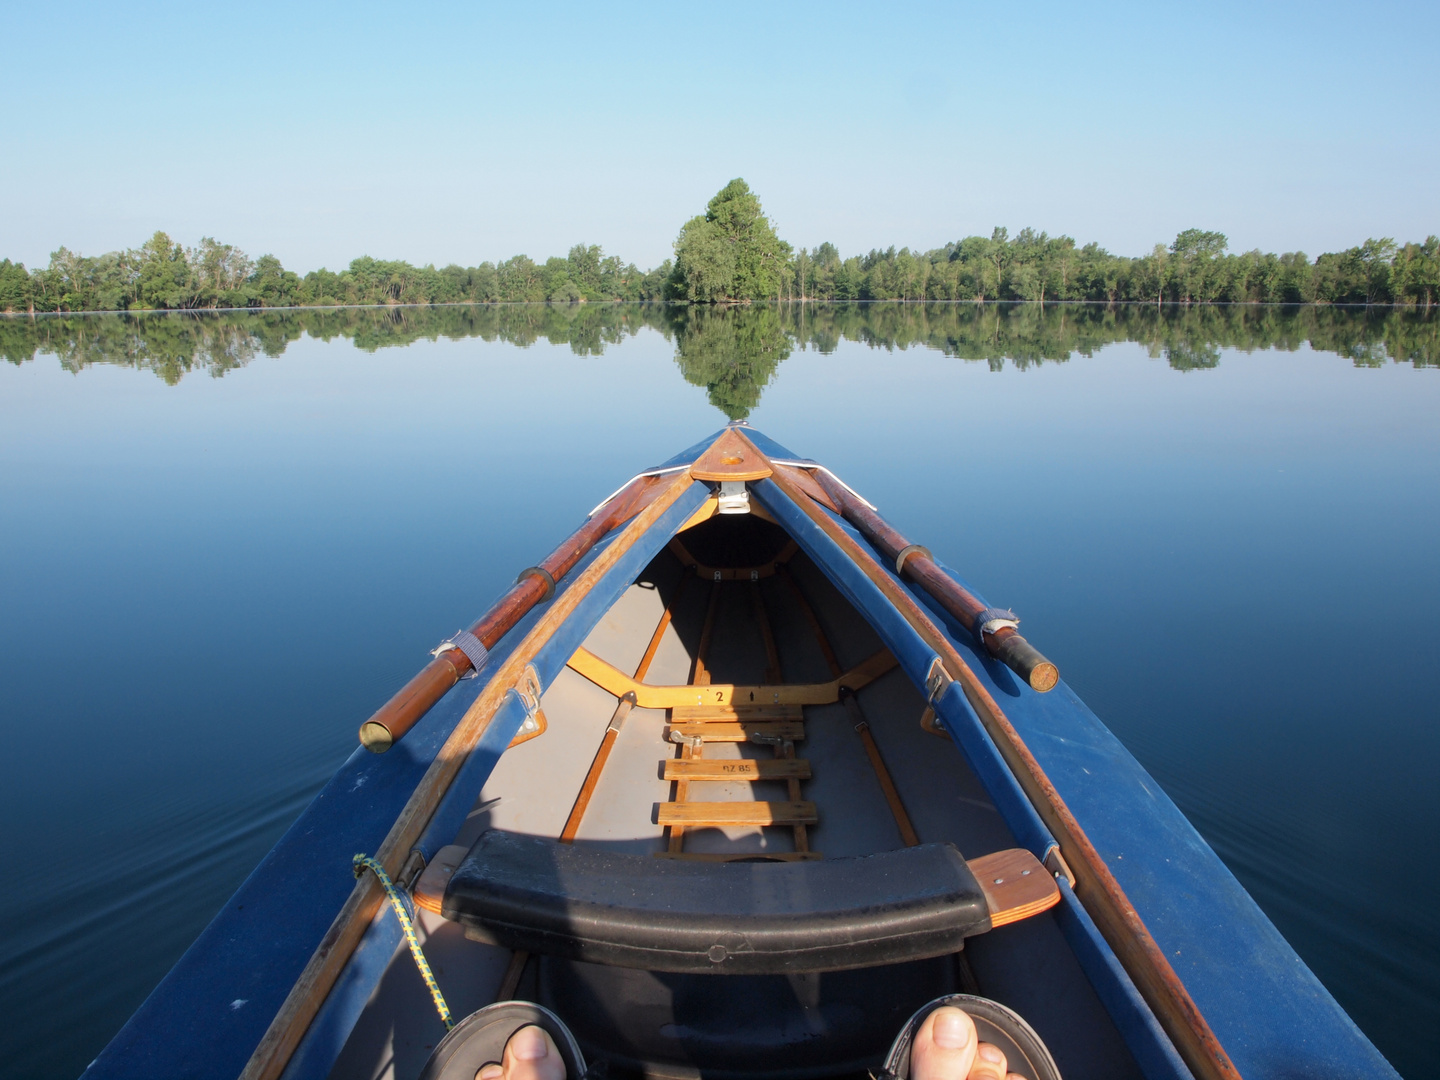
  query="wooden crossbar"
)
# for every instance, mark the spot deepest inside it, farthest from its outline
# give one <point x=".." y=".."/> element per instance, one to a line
<point x="742" y="769"/>
<point x="699" y="814"/>
<point x="615" y="681"/>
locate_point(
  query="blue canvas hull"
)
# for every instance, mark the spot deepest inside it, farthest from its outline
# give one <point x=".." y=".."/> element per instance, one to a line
<point x="1270" y="1013"/>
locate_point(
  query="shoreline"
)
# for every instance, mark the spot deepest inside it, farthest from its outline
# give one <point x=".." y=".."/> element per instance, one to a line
<point x="1168" y="304"/>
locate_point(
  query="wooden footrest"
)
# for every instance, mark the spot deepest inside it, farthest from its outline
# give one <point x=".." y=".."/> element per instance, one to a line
<point x="702" y="814"/>
<point x="740" y="856"/>
<point x="743" y="769"/>
<point x="794" y="731"/>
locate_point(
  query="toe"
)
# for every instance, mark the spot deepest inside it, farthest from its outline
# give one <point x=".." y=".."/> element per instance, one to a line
<point x="989" y="1063"/>
<point x="944" y="1047"/>
<point x="532" y="1055"/>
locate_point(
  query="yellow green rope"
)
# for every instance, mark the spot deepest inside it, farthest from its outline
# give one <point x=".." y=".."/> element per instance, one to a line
<point x="397" y="901"/>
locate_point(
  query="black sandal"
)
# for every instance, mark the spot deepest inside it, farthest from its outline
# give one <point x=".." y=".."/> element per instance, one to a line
<point x="1024" y="1053"/>
<point x="480" y="1039"/>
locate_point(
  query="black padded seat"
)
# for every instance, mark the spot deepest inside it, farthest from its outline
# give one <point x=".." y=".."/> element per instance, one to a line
<point x="744" y="918"/>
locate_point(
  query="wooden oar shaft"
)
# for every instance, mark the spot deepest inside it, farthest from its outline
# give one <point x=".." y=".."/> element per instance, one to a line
<point x="403" y="711"/>
<point x="1005" y="644"/>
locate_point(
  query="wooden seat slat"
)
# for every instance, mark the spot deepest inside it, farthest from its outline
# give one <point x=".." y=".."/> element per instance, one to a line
<point x="737" y="769"/>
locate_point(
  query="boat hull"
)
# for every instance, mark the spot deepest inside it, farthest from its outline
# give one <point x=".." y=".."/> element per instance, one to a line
<point x="1271" y="1014"/>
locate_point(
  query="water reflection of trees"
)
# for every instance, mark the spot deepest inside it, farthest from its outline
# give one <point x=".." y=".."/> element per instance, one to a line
<point x="732" y="352"/>
<point x="735" y="352"/>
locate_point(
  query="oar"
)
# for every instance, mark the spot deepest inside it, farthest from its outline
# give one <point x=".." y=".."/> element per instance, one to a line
<point x="467" y="650"/>
<point x="1000" y="640"/>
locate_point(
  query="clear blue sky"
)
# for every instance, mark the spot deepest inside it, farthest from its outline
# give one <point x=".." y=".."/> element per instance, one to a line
<point x="475" y="131"/>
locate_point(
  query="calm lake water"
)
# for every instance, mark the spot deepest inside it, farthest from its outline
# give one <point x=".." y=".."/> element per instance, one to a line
<point x="227" y="538"/>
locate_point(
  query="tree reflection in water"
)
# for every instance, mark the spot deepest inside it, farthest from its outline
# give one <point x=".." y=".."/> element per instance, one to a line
<point x="734" y="352"/>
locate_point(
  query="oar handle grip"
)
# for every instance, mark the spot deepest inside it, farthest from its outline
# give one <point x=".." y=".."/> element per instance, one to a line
<point x="1024" y="659"/>
<point x="416" y="698"/>
<point x="403" y="711"/>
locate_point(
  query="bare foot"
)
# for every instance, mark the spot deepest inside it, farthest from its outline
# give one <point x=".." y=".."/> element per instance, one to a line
<point x="529" y="1055"/>
<point x="946" y="1048"/>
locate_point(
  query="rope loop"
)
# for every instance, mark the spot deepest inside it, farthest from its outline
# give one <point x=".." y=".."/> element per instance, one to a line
<point x="363" y="862"/>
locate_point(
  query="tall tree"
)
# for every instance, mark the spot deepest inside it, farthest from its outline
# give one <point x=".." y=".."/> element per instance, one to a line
<point x="731" y="252"/>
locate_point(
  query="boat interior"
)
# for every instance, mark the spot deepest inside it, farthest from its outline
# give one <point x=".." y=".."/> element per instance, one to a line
<point x="734" y="719"/>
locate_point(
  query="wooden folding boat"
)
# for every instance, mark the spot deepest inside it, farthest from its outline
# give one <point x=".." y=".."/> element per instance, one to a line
<point x="734" y="781"/>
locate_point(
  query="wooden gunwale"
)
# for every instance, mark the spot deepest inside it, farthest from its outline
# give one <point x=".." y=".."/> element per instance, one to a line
<point x="1095" y="886"/>
<point x="329" y="958"/>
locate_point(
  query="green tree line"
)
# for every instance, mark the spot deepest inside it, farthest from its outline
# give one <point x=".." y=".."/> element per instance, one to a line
<point x="1196" y="268"/>
<point x="164" y="275"/>
<point x="733" y="254"/>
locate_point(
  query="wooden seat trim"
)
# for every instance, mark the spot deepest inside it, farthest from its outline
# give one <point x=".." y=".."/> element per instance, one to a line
<point x="430" y="888"/>
<point x="1016" y="885"/>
